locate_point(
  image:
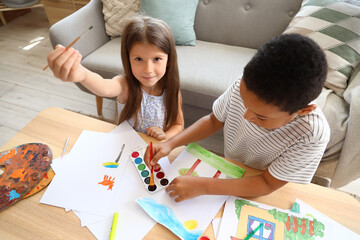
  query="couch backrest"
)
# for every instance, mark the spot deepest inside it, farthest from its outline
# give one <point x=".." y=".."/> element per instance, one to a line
<point x="246" y="23"/>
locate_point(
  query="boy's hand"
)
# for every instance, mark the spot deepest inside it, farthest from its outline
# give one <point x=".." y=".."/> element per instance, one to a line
<point x="186" y="187"/>
<point x="65" y="64"/>
<point x="160" y="150"/>
<point x="156" y="132"/>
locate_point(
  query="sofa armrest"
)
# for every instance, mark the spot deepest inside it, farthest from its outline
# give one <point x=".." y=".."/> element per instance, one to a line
<point x="353" y="84"/>
<point x="69" y="28"/>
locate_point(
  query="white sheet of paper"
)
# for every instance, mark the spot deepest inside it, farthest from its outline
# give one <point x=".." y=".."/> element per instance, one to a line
<point x="136" y="223"/>
<point x="76" y="185"/>
<point x="79" y="186"/>
<point x="229" y="221"/>
<point x="216" y="225"/>
<point x="201" y="209"/>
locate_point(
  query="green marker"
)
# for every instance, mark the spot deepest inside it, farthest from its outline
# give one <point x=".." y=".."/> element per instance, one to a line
<point x="113" y="226"/>
<point x="253" y="232"/>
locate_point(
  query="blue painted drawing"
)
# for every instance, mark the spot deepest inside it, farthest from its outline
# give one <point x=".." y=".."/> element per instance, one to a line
<point x="166" y="216"/>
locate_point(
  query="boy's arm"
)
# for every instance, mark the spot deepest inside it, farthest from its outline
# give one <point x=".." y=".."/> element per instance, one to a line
<point x="202" y="128"/>
<point x="187" y="187"/>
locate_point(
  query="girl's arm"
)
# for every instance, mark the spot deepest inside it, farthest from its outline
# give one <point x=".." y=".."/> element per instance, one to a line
<point x="178" y="125"/>
<point x="66" y="66"/>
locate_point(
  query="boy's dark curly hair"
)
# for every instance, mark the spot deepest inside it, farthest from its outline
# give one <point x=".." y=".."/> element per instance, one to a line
<point x="289" y="71"/>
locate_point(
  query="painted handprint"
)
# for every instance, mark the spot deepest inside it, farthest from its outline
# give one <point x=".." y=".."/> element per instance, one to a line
<point x="108" y="182"/>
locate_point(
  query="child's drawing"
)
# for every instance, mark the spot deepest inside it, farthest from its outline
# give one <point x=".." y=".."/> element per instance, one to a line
<point x="276" y="223"/>
<point x="165" y="215"/>
<point x="108" y="181"/>
<point x="190" y="218"/>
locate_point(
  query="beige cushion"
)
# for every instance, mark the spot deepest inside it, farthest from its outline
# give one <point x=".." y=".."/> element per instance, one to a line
<point x="116" y="13"/>
<point x="335" y="26"/>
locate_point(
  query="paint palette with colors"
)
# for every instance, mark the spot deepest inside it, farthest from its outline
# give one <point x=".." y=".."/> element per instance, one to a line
<point x="160" y="179"/>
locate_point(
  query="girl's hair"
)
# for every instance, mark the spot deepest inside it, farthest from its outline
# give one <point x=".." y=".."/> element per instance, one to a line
<point x="142" y="29"/>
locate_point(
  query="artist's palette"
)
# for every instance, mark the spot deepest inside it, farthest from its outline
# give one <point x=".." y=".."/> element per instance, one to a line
<point x="160" y="179"/>
<point x="21" y="170"/>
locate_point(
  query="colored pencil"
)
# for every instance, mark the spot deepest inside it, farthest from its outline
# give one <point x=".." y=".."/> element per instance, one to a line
<point x="72" y="43"/>
<point x="152" y="167"/>
<point x="253" y="232"/>
<point x="113" y="226"/>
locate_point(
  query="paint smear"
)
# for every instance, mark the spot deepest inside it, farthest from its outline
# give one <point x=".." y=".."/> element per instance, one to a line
<point x="108" y="181"/>
<point x="190" y="224"/>
<point x="215" y="161"/>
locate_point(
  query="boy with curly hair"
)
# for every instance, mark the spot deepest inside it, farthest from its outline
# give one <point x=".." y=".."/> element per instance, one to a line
<point x="270" y="122"/>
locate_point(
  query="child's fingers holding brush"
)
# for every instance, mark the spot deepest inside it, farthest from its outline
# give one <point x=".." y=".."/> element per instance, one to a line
<point x="53" y="55"/>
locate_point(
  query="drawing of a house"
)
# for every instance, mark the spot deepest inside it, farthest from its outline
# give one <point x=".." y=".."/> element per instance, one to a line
<point x="276" y="224"/>
<point x="251" y="217"/>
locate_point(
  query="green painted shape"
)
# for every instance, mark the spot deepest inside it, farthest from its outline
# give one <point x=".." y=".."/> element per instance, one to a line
<point x="290" y="235"/>
<point x="280" y="216"/>
<point x="309" y="215"/>
<point x="215" y="161"/>
<point x="184" y="171"/>
<point x="319" y="228"/>
<point x="241" y="202"/>
<point x="329" y="15"/>
<point x="340" y="33"/>
<point x="295" y="208"/>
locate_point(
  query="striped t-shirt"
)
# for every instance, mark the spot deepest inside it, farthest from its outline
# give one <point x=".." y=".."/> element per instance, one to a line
<point x="291" y="153"/>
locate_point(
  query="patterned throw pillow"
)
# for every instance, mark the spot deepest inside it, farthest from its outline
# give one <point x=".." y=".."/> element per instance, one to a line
<point x="335" y="26"/>
<point x="116" y="13"/>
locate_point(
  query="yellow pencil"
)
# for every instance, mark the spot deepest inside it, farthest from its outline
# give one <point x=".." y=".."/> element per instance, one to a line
<point x="72" y="43"/>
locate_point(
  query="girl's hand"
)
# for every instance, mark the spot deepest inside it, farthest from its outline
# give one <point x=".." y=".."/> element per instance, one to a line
<point x="156" y="132"/>
<point x="186" y="187"/>
<point x="65" y="64"/>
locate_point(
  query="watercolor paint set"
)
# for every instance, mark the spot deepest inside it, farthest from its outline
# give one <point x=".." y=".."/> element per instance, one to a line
<point x="160" y="179"/>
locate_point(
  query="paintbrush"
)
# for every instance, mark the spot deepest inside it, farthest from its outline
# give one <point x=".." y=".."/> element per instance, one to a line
<point x="72" y="43"/>
<point x="152" y="167"/>
<point x="122" y="149"/>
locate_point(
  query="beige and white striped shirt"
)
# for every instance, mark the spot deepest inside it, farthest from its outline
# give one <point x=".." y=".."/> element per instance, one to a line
<point x="291" y="153"/>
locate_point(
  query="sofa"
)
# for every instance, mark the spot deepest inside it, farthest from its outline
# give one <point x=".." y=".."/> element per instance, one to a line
<point x="228" y="33"/>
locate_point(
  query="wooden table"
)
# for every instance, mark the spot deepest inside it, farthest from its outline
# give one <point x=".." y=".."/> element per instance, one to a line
<point x="28" y="219"/>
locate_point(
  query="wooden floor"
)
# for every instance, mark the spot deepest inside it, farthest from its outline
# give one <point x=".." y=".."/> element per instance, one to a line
<point x="26" y="90"/>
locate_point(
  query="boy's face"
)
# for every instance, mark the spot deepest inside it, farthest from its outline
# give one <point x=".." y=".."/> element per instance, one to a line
<point x="261" y="113"/>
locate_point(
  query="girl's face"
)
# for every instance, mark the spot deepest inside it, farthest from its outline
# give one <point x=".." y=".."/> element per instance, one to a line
<point x="148" y="65"/>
